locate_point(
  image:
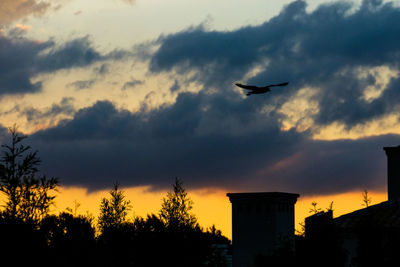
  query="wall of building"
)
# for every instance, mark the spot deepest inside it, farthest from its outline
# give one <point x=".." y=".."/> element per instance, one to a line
<point x="260" y="223"/>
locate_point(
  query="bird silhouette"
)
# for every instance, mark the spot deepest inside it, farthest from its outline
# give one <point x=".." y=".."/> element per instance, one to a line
<point x="257" y="89"/>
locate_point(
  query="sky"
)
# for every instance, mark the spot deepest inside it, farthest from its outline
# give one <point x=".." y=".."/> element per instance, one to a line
<point x="141" y="92"/>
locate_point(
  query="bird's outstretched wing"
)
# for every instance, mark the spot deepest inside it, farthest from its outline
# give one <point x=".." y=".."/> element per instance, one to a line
<point x="248" y="87"/>
<point x="279" y="84"/>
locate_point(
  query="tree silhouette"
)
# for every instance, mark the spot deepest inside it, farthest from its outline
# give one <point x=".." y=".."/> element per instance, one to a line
<point x="74" y="210"/>
<point x="20" y="241"/>
<point x="27" y="194"/>
<point x="176" y="207"/>
<point x="113" y="211"/>
<point x="314" y="208"/>
<point x="366" y="199"/>
<point x="330" y="207"/>
<point x="70" y="238"/>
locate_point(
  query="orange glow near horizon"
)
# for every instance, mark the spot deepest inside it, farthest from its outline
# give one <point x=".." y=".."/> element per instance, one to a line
<point x="210" y="206"/>
<point x="342" y="204"/>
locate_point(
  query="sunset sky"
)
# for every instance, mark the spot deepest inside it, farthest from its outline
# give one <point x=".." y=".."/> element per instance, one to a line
<point x="141" y="92"/>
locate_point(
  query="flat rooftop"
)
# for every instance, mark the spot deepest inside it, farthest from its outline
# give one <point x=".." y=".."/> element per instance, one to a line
<point x="268" y="196"/>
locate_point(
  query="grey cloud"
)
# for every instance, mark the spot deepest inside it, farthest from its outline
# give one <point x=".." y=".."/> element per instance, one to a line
<point x="11" y="10"/>
<point x="336" y="166"/>
<point x="216" y="137"/>
<point x="76" y="53"/>
<point x="103" y="69"/>
<point x="16" y="64"/>
<point x="80" y="85"/>
<point x="3" y="134"/>
<point x="209" y="141"/>
<point x="65" y="107"/>
<point x="130" y="84"/>
<point x="175" y="87"/>
<point x="21" y="59"/>
<point x="322" y="49"/>
<point x="144" y="51"/>
<point x="150" y="148"/>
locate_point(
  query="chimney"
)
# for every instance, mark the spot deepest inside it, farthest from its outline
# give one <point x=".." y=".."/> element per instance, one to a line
<point x="261" y="223"/>
<point x="393" y="171"/>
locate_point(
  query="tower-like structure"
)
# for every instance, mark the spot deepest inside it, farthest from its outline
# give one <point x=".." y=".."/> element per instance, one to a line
<point x="393" y="172"/>
<point x="260" y="223"/>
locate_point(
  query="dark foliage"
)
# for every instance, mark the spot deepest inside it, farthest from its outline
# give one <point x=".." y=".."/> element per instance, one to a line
<point x="21" y="243"/>
<point x="113" y="211"/>
<point x="173" y="238"/>
<point x="70" y="239"/>
<point x="176" y="209"/>
<point x="27" y="195"/>
<point x="62" y="240"/>
<point x="32" y="237"/>
<point x="149" y="242"/>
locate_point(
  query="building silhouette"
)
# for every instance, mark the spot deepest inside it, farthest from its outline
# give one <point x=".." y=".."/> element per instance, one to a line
<point x="393" y="171"/>
<point x="264" y="222"/>
<point x="261" y="223"/>
<point x="369" y="236"/>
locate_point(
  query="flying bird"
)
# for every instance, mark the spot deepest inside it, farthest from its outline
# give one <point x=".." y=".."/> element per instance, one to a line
<point x="257" y="89"/>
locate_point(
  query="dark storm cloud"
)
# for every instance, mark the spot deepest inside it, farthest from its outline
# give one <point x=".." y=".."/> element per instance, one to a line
<point x="325" y="49"/>
<point x="335" y="166"/>
<point x="22" y="59"/>
<point x="3" y="134"/>
<point x="217" y="138"/>
<point x="16" y="68"/>
<point x="204" y="146"/>
<point x="227" y="145"/>
<point x="75" y="53"/>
